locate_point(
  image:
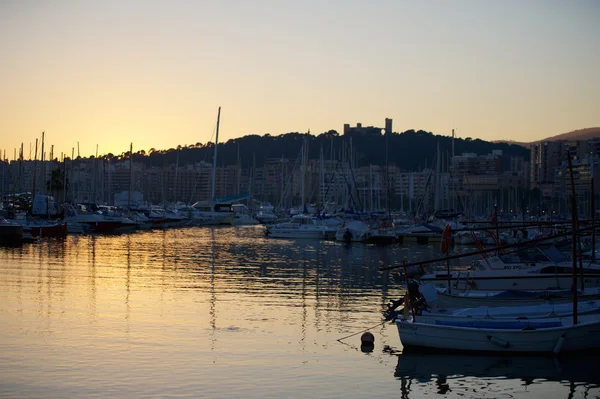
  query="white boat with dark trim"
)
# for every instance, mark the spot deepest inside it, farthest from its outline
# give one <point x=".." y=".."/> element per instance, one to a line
<point x="266" y="214"/>
<point x="540" y="336"/>
<point x="535" y="268"/>
<point x="353" y="231"/>
<point x="304" y="226"/>
<point x="539" y="328"/>
<point x="514" y="298"/>
<point x="214" y="213"/>
<point x="425" y="301"/>
<point x="242" y="216"/>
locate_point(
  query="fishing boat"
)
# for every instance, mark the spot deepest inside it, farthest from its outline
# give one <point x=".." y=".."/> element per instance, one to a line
<point x="503" y="336"/>
<point x="424" y="303"/>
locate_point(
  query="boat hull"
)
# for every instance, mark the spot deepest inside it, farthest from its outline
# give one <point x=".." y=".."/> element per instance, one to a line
<point x="301" y="234"/>
<point x="548" y="340"/>
<point x="49" y="230"/>
<point x="492" y="299"/>
<point x="11" y="234"/>
<point x="534" y="281"/>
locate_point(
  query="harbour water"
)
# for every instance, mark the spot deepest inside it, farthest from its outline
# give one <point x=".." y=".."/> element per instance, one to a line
<point x="228" y="313"/>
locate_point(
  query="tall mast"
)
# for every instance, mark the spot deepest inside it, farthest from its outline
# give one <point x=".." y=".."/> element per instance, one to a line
<point x="303" y="170"/>
<point x="322" y="179"/>
<point x="214" y="176"/>
<point x="371" y="186"/>
<point x="64" y="159"/>
<point x="42" y="170"/>
<point x="21" y="170"/>
<point x="282" y="183"/>
<point x="130" y="174"/>
<point x="95" y="176"/>
<point x="34" y="170"/>
<point x="71" y="173"/>
<point x="452" y="175"/>
<point x="593" y="206"/>
<point x="436" y="184"/>
<point x="174" y="198"/>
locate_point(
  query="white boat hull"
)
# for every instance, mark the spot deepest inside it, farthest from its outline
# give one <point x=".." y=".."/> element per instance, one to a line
<point x="524" y="281"/>
<point x="494" y="299"/>
<point x="548" y="340"/>
<point x="301" y="233"/>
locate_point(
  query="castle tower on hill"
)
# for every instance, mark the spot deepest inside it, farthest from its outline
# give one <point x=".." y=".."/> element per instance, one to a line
<point x="360" y="129"/>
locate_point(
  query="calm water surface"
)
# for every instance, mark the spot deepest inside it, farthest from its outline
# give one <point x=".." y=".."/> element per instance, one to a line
<point x="227" y="313"/>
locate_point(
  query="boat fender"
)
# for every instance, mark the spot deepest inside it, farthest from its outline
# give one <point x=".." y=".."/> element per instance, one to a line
<point x="559" y="344"/>
<point x="498" y="341"/>
<point x="367" y="338"/>
<point x="446" y="239"/>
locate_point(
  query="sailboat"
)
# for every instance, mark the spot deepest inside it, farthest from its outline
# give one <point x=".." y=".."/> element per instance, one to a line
<point x="304" y="224"/>
<point x="213" y="212"/>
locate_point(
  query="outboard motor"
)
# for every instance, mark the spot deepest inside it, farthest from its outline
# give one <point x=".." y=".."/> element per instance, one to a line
<point x="347" y="235"/>
<point x="415" y="300"/>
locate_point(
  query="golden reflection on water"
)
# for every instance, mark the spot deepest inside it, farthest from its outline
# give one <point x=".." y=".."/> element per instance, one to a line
<point x="224" y="312"/>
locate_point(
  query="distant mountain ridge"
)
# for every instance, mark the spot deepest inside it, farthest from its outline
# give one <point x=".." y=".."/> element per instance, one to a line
<point x="580" y="134"/>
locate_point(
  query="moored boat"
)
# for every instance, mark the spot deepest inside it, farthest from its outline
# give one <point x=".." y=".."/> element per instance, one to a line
<point x="504" y="298"/>
<point x="47" y="228"/>
<point x="508" y="336"/>
<point x="303" y="226"/>
<point x="11" y="233"/>
<point x="353" y="231"/>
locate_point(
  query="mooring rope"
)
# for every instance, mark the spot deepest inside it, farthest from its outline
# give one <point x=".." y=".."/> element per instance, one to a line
<point x="352" y="335"/>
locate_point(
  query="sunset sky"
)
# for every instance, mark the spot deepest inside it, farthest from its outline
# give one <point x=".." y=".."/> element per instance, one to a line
<point x="108" y="73"/>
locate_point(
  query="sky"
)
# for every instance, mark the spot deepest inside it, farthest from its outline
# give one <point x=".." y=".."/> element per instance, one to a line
<point x="105" y="74"/>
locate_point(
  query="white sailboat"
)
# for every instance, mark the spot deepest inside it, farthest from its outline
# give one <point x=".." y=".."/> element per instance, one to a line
<point x="304" y="226"/>
<point x="210" y="211"/>
<point x="535" y="268"/>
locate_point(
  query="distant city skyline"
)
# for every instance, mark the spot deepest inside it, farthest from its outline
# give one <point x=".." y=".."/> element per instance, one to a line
<point x="154" y="72"/>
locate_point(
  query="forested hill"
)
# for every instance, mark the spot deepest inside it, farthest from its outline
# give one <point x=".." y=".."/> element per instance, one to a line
<point x="410" y="150"/>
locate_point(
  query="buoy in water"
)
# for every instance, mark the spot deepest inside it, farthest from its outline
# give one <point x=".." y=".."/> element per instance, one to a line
<point x="367" y="339"/>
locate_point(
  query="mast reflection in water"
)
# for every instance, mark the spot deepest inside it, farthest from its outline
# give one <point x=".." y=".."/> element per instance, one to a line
<point x="214" y="312"/>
